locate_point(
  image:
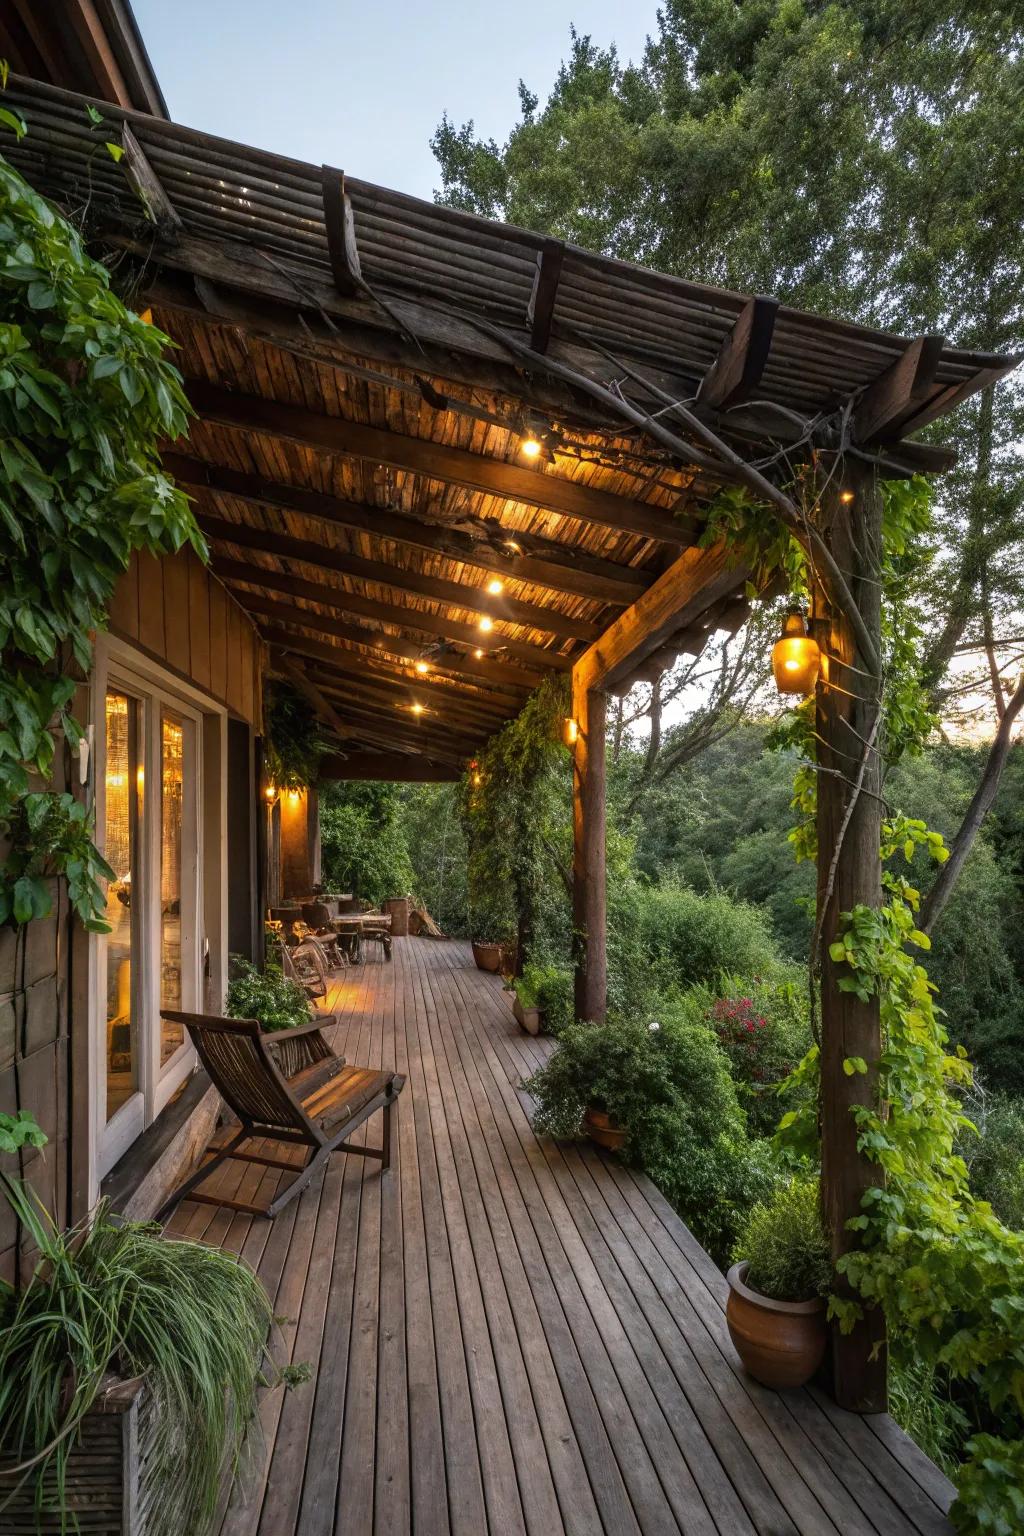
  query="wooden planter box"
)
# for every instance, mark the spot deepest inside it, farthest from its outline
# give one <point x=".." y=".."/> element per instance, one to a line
<point x="106" y="1488"/>
<point x="488" y="957"/>
<point x="531" y="1019"/>
<point x="399" y="907"/>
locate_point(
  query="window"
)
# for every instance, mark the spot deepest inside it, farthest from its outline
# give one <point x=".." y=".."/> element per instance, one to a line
<point x="149" y="825"/>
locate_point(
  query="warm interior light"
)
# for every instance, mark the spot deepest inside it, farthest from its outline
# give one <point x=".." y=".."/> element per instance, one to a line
<point x="530" y="447"/>
<point x="570" y="732"/>
<point x="294" y="795"/>
<point x="115" y="780"/>
<point x="494" y="586"/>
<point x="486" y="624"/>
<point x="795" y="657"/>
<point x="478" y="653"/>
<point x="422" y="667"/>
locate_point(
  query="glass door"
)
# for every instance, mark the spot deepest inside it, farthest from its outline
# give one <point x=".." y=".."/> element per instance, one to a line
<point x="177" y="918"/>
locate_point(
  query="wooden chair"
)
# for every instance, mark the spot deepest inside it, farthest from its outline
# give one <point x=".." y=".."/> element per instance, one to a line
<point x="317" y="1105"/>
<point x="307" y="964"/>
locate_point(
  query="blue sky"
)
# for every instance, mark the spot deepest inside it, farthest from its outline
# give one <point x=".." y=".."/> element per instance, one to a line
<point x="362" y="86"/>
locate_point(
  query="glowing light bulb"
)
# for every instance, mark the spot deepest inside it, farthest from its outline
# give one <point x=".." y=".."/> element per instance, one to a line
<point x="270" y="792"/>
<point x="495" y="587"/>
<point x="417" y="709"/>
<point x="478" y="653"/>
<point x="846" y="497"/>
<point x="530" y="447"/>
<point x="422" y="667"/>
<point x="486" y="624"/>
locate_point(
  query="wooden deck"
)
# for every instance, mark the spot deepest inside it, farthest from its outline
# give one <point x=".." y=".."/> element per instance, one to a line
<point x="511" y="1336"/>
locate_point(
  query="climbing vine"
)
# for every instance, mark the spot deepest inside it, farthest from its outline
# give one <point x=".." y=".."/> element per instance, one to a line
<point x="293" y="743"/>
<point x="509" y="818"/>
<point x="946" y="1272"/>
<point x="86" y="393"/>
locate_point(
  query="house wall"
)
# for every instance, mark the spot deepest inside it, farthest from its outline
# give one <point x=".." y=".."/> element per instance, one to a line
<point x="177" y="614"/>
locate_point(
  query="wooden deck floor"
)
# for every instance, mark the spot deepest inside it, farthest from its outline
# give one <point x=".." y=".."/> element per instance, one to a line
<point x="510" y="1336"/>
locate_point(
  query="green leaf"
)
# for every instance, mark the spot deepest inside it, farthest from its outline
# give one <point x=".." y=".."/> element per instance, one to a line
<point x="114" y="150"/>
<point x="854" y="1065"/>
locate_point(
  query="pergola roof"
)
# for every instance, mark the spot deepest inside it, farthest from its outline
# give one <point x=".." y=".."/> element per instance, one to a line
<point x="365" y="366"/>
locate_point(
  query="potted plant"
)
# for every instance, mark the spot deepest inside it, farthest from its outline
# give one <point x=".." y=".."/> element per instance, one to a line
<point x="539" y="989"/>
<point x="267" y="996"/>
<point x="165" y="1358"/>
<point x="777" y="1287"/>
<point x="594" y="1082"/>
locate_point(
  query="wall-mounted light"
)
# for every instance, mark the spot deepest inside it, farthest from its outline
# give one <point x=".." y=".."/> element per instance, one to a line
<point x="495" y="587"/>
<point x="270" y="793"/>
<point x="570" y="732"/>
<point x="795" y="657"/>
<point x="294" y="796"/>
<point x="486" y="623"/>
<point x="530" y="447"/>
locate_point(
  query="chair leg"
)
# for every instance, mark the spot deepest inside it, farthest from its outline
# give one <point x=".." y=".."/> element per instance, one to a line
<point x="386" y="1159"/>
<point x="200" y="1174"/>
<point x="299" y="1183"/>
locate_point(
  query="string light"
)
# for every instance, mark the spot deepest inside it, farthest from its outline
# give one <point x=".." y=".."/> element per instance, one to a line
<point x="530" y="447"/>
<point x="846" y="497"/>
<point x="423" y="667"/>
<point x="486" y="624"/>
<point x="495" y="587"/>
<point x="478" y="653"/>
<point x="417" y="709"/>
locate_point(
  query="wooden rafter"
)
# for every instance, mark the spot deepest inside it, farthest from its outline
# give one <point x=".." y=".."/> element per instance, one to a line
<point x="737" y="370"/>
<point x="344" y="664"/>
<point x="332" y="596"/>
<point x="544" y="562"/>
<point x="423" y="456"/>
<point x="897" y="393"/>
<point x="438" y="588"/>
<point x="389" y="766"/>
<point x="400" y="650"/>
<point x="440" y="701"/>
<point x="148" y="187"/>
<point x="341" y="232"/>
<point x="299" y="678"/>
<point x="541" y="309"/>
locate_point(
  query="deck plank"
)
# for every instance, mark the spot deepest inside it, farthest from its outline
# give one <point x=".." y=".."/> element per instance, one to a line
<point x="511" y="1337"/>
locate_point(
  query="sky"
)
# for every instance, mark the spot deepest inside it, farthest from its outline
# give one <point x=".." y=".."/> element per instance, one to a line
<point x="363" y="87"/>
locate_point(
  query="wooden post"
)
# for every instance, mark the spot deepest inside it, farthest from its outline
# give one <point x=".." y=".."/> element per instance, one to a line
<point x="847" y="705"/>
<point x="589" y="901"/>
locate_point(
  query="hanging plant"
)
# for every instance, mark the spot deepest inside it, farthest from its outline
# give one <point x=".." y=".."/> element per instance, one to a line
<point x="86" y="394"/>
<point x="294" y="745"/>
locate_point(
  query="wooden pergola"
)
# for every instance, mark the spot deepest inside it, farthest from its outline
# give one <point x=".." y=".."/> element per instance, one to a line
<point x="438" y="458"/>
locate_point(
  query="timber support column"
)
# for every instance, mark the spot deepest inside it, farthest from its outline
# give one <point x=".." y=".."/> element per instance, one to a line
<point x="849" y="752"/>
<point x="589" y="900"/>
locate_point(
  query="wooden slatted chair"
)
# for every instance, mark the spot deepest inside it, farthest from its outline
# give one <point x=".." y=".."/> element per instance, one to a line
<point x="317" y="1105"/>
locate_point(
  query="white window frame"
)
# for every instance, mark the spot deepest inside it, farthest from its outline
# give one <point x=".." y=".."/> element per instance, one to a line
<point x="120" y="666"/>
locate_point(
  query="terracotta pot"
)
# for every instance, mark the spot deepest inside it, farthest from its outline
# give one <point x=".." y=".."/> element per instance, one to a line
<point x="602" y="1128"/>
<point x="488" y="957"/>
<point x="529" y="1018"/>
<point x="781" y="1343"/>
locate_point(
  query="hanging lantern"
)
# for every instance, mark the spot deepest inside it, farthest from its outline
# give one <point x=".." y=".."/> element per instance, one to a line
<point x="795" y="657"/>
<point x="570" y="732"/>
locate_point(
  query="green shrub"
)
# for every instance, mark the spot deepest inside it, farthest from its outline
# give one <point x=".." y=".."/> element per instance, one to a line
<point x="363" y="841"/>
<point x="267" y="996"/>
<point x="549" y="988"/>
<point x="668" y="1084"/>
<point x="920" y="1402"/>
<point x="995" y="1156"/>
<point x="190" y="1318"/>
<point x="691" y="940"/>
<point x="764" y="1029"/>
<point x="784" y="1244"/>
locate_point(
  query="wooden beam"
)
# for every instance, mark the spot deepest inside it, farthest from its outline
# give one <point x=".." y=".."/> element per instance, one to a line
<point x="341" y="232"/>
<point x="301" y="680"/>
<point x="896" y="393"/>
<point x="392" y="646"/>
<point x="737" y="369"/>
<point x="589" y="879"/>
<point x="455" y="593"/>
<point x="390" y="767"/>
<point x="148" y="187"/>
<point x="679" y="597"/>
<point x="430" y="688"/>
<point x="544" y="561"/>
<point x="946" y="399"/>
<point x="438" y="705"/>
<point x="422" y="456"/>
<point x="332" y="596"/>
<point x="343" y="664"/>
<point x="541" y="308"/>
<point x="391" y="725"/>
<point x="849" y="875"/>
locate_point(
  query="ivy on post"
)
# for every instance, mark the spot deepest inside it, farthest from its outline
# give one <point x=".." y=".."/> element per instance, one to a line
<point x="589" y="899"/>
<point x="849" y="875"/>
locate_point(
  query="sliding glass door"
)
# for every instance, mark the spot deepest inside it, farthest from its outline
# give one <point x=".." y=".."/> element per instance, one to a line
<point x="148" y="815"/>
